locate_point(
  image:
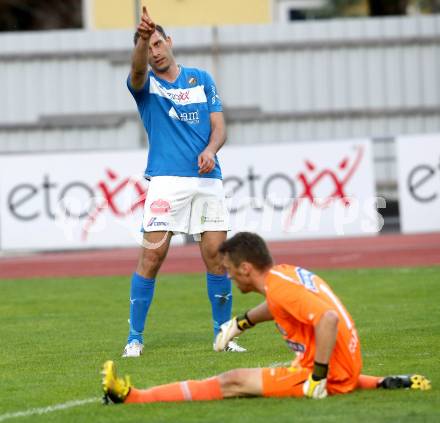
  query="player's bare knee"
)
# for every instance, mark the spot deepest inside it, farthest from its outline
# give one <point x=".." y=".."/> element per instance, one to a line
<point x="213" y="261"/>
<point x="215" y="268"/>
<point x="209" y="246"/>
<point x="232" y="383"/>
<point x="150" y="262"/>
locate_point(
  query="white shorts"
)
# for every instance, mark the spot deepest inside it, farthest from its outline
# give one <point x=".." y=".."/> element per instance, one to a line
<point x="185" y="205"/>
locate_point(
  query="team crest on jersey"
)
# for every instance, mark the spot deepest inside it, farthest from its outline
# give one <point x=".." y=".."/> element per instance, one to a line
<point x="192" y="81"/>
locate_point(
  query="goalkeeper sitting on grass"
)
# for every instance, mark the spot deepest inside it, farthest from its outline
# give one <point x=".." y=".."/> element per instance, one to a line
<point x="311" y="319"/>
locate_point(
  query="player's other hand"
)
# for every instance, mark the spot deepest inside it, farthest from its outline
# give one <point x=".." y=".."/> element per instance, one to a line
<point x="231" y="329"/>
<point x="228" y="330"/>
<point x="146" y="26"/>
<point x="206" y="161"/>
<point x="316" y="389"/>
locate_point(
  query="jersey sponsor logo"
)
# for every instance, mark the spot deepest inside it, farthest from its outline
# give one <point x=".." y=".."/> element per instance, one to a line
<point x="189" y="117"/>
<point x="160" y="206"/>
<point x="179" y="96"/>
<point x="296" y="346"/>
<point x="173" y="114"/>
<point x="154" y="222"/>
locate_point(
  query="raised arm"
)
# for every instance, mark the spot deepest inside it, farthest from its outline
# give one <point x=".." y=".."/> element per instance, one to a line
<point x="139" y="59"/>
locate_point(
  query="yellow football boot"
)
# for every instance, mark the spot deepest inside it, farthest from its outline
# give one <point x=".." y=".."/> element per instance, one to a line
<point x="406" y="381"/>
<point x="115" y="389"/>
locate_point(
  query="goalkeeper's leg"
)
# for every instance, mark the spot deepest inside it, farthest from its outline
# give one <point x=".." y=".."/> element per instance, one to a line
<point x="368" y="382"/>
<point x="284" y="381"/>
<point x="412" y="381"/>
<point x="188" y="390"/>
<point x="234" y="383"/>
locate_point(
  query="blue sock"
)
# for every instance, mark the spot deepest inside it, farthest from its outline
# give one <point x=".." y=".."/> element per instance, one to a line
<point x="220" y="296"/>
<point x="141" y="295"/>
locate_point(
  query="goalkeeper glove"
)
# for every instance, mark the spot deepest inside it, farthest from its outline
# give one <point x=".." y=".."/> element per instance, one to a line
<point x="231" y="329"/>
<point x="316" y="384"/>
<point x="243" y="322"/>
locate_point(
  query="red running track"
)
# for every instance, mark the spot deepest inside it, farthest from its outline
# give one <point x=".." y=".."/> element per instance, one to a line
<point x="380" y="251"/>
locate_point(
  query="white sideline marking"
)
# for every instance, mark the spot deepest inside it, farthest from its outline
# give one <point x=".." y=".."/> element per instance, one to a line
<point x="45" y="410"/>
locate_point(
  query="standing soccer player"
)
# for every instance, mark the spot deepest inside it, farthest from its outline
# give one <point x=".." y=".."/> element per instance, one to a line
<point x="182" y="114"/>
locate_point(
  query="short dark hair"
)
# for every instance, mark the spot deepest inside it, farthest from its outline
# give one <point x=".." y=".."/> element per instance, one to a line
<point x="247" y="246"/>
<point x="159" y="29"/>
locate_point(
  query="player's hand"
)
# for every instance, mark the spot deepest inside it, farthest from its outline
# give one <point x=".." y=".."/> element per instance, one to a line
<point x="206" y="161"/>
<point x="316" y="389"/>
<point x="230" y="329"/>
<point x="146" y="26"/>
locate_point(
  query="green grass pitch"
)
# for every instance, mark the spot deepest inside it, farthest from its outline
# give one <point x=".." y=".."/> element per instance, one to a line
<point x="56" y="333"/>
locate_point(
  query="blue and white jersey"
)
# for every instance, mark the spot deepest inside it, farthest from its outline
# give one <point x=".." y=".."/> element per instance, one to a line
<point x="176" y="117"/>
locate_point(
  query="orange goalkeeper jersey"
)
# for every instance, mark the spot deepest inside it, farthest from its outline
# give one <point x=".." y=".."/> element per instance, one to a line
<point x="297" y="299"/>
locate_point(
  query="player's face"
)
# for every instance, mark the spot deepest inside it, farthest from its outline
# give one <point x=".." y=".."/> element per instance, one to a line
<point x="160" y="55"/>
<point x="239" y="274"/>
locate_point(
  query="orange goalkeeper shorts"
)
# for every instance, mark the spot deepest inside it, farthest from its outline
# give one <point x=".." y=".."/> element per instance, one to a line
<point x="284" y="381"/>
<point x="289" y="381"/>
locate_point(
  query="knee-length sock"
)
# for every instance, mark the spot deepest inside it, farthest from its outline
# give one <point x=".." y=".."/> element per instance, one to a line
<point x="190" y="390"/>
<point x="220" y="296"/>
<point x="141" y="295"/>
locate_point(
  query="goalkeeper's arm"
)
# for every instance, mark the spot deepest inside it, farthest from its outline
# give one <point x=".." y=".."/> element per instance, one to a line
<point x="325" y="337"/>
<point x="259" y="314"/>
<point x="237" y="325"/>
